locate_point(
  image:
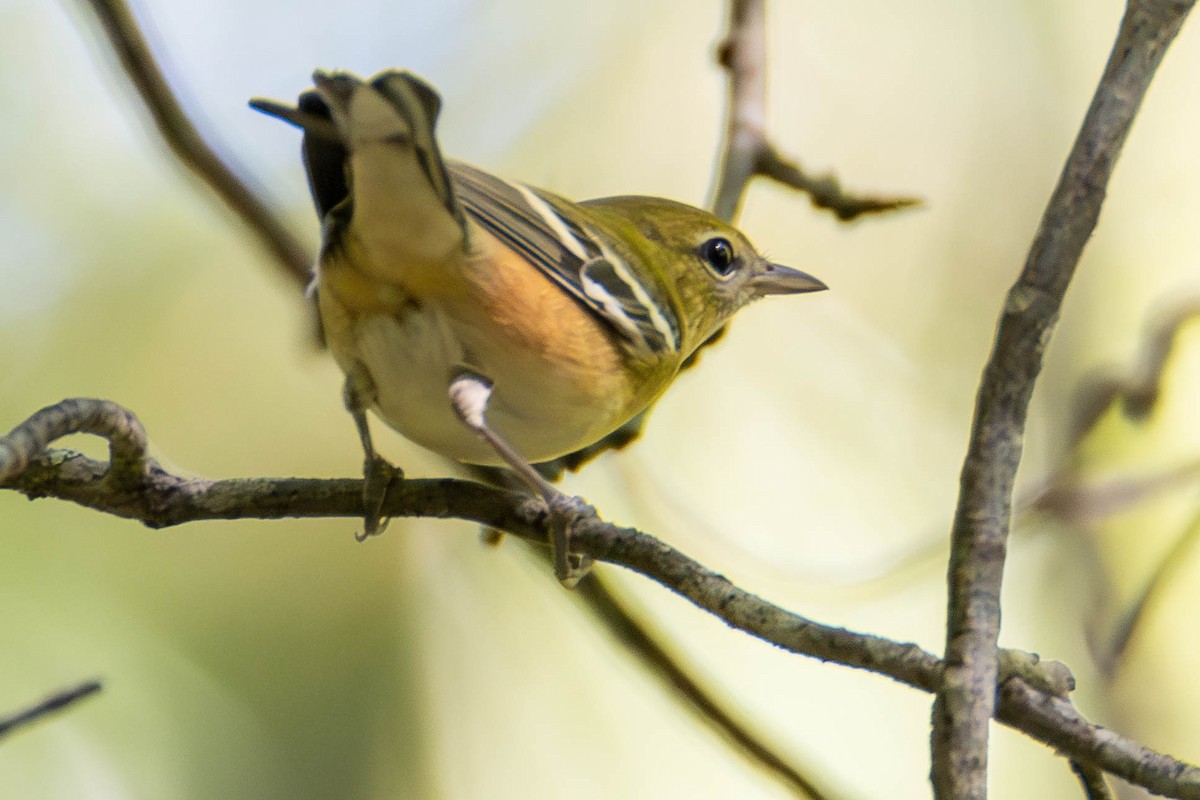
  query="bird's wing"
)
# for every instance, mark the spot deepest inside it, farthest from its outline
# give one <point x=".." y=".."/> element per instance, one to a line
<point x="569" y="252"/>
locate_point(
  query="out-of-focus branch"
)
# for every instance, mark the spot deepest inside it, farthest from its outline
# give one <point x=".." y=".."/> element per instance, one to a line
<point x="1080" y="502"/>
<point x="1137" y="387"/>
<point x="1072" y="499"/>
<point x="1034" y="698"/>
<point x="188" y="144"/>
<point x="47" y="706"/>
<point x="1108" y="653"/>
<point x="966" y="702"/>
<point x="746" y="151"/>
<point x="599" y="599"/>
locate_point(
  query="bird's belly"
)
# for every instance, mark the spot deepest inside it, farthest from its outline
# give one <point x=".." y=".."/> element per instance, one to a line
<point x="543" y="408"/>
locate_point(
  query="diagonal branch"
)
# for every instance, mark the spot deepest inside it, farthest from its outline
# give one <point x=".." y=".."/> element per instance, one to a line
<point x="134" y="486"/>
<point x="1033" y="697"/>
<point x="47" y="706"/>
<point x="1092" y="780"/>
<point x="1055" y="721"/>
<point x="189" y="145"/>
<point x="966" y="702"/>
<point x="648" y="648"/>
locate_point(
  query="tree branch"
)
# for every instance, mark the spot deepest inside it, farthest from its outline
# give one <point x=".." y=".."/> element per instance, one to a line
<point x="1038" y="706"/>
<point x="1054" y="721"/>
<point x="979" y="536"/>
<point x="598" y="599"/>
<point x="1095" y="786"/>
<point x="56" y="702"/>
<point x="189" y="145"/>
<point x="1138" y="386"/>
<point x="1108" y="653"/>
<point x="746" y="152"/>
<point x="137" y="487"/>
<point x="182" y="137"/>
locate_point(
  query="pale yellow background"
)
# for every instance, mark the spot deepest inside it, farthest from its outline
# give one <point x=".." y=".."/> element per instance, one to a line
<point x="822" y="439"/>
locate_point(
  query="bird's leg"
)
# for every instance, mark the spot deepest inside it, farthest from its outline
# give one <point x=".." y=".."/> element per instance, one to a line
<point x="469" y="395"/>
<point x="358" y="393"/>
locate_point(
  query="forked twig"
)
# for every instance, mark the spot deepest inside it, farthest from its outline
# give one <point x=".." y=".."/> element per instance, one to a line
<point x="966" y="703"/>
<point x="746" y="151"/>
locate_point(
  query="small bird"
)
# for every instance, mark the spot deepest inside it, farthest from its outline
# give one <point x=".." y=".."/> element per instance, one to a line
<point x="493" y="322"/>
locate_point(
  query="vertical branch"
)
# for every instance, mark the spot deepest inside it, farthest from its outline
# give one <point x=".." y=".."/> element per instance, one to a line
<point x="743" y="54"/>
<point x="967" y="699"/>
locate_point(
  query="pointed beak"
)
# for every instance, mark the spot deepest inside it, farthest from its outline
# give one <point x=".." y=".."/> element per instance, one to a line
<point x="779" y="279"/>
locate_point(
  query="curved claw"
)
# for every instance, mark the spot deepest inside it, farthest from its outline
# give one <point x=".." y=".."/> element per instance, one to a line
<point x="563" y="513"/>
<point x="378" y="475"/>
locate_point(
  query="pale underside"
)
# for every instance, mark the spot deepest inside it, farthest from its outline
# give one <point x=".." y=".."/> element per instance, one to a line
<point x="557" y="387"/>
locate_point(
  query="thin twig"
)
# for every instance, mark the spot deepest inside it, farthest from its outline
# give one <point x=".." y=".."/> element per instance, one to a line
<point x="599" y="599"/>
<point x="746" y="151"/>
<point x="190" y="146"/>
<point x="1079" y="501"/>
<point x="979" y="536"/>
<point x="825" y="190"/>
<point x="743" y="54"/>
<point x="1137" y="387"/>
<point x="43" y="708"/>
<point x="647" y="647"/>
<point x="1095" y="786"/>
<point x="1108" y="655"/>
<point x="1054" y="721"/>
<point x="124" y="433"/>
<point x="1034" y="696"/>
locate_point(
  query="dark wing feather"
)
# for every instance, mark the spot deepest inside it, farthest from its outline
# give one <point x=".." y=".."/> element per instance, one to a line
<point x="568" y="254"/>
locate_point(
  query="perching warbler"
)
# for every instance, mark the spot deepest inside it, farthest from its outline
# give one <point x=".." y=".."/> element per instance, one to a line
<point x="446" y="292"/>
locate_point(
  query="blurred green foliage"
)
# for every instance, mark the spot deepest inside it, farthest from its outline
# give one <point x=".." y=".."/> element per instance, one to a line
<point x="282" y="659"/>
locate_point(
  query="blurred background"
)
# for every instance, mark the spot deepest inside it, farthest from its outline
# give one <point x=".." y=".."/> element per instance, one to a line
<point x="813" y="456"/>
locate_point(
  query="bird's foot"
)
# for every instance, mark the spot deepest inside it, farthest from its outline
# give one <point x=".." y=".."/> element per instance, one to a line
<point x="378" y="476"/>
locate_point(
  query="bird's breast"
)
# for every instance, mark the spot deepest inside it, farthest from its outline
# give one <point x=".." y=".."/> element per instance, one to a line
<point x="560" y="380"/>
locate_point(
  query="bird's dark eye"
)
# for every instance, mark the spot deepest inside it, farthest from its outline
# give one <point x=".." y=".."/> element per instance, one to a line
<point x="718" y="253"/>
